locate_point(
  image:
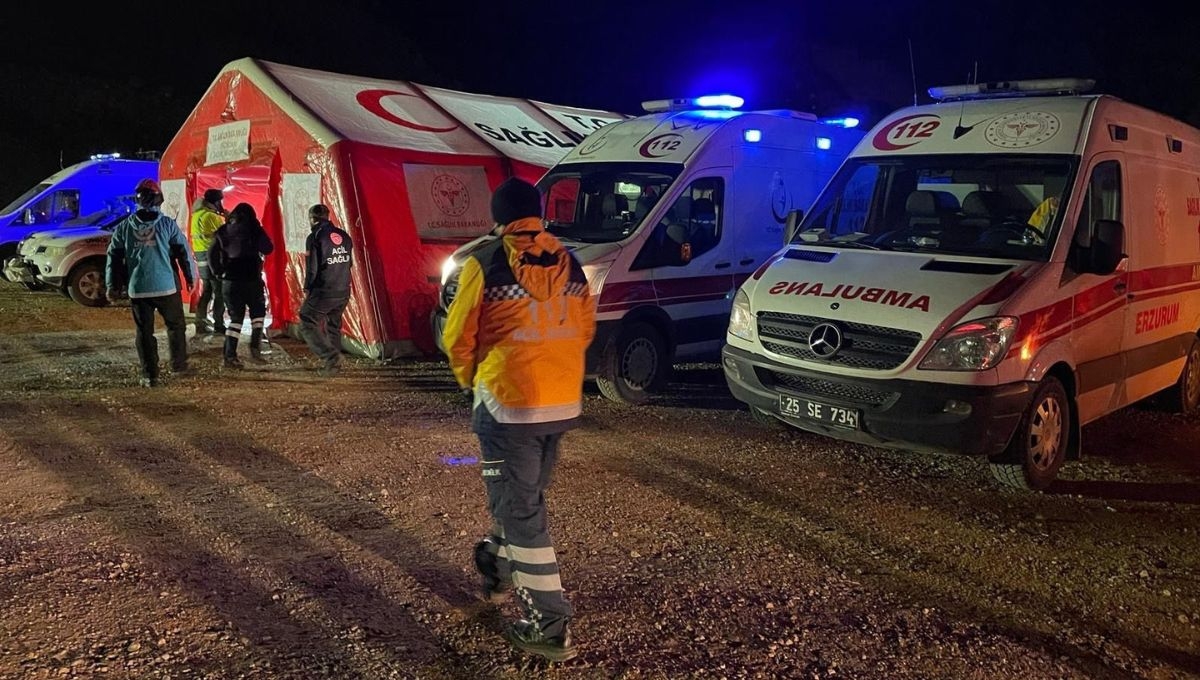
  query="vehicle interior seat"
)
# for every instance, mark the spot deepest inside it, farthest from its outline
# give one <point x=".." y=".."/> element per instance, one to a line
<point x="612" y="209"/>
<point x="931" y="210"/>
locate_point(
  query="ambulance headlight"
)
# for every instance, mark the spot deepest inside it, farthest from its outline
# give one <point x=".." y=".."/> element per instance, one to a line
<point x="596" y="273"/>
<point x="973" y="346"/>
<point x="448" y="268"/>
<point x="741" y="321"/>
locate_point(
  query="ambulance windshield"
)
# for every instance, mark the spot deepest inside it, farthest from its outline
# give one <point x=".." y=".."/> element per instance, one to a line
<point x="603" y="202"/>
<point x="986" y="205"/>
<point x="21" y="200"/>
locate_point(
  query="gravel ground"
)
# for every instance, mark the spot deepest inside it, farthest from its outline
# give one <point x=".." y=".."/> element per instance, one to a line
<point x="271" y="524"/>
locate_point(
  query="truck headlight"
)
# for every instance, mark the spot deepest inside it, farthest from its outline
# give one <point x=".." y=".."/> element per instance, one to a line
<point x="973" y="346"/>
<point x="448" y="268"/>
<point x="595" y="274"/>
<point x="741" y="321"/>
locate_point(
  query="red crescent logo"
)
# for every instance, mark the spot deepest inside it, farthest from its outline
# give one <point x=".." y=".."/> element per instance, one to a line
<point x="913" y="130"/>
<point x="372" y="100"/>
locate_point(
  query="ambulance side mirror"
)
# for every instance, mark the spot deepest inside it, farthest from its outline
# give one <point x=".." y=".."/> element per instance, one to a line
<point x="794" y="218"/>
<point x="1108" y="246"/>
<point x="27" y="216"/>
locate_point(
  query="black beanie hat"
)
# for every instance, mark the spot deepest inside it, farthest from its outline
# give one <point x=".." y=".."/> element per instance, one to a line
<point x="514" y="199"/>
<point x="214" y="196"/>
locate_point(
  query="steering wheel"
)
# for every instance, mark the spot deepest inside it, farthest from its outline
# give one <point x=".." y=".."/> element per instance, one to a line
<point x="1019" y="230"/>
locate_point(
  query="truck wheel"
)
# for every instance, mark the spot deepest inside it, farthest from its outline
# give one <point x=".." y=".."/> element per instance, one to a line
<point x="85" y="285"/>
<point x="634" y="365"/>
<point x="764" y="418"/>
<point x="1039" y="445"/>
<point x="1184" y="396"/>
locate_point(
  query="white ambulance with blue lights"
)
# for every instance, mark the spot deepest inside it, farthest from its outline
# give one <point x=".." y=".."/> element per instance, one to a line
<point x="985" y="274"/>
<point x="669" y="213"/>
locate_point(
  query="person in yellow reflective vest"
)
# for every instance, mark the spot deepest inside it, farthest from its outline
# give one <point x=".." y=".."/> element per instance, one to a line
<point x="516" y="335"/>
<point x="207" y="217"/>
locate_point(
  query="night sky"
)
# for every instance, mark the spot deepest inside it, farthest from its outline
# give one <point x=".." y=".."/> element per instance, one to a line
<point x="126" y="75"/>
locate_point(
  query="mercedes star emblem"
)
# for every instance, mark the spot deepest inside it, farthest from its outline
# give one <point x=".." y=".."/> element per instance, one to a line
<point x="825" y="340"/>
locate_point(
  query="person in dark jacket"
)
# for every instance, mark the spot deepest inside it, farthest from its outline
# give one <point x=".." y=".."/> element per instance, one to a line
<point x="236" y="258"/>
<point x="327" y="287"/>
<point x="145" y="250"/>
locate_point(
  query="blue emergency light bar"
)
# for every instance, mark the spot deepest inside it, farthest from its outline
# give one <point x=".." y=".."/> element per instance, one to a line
<point x="708" y="101"/>
<point x="847" y="122"/>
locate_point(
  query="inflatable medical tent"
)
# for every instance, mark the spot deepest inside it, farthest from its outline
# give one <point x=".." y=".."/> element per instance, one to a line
<point x="407" y="169"/>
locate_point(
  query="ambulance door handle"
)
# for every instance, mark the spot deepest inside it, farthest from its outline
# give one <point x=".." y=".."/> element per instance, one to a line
<point x="748" y="260"/>
<point x="722" y="265"/>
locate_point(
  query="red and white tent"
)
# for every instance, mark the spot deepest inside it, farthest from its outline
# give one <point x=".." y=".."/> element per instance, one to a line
<point x="407" y="169"/>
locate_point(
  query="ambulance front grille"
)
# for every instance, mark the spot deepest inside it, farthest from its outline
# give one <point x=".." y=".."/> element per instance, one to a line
<point x="863" y="345"/>
<point x="827" y="389"/>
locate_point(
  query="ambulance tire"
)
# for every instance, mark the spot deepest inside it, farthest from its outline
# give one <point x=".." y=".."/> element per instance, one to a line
<point x="85" y="284"/>
<point x="764" y="418"/>
<point x="1039" y="444"/>
<point x="635" y="364"/>
<point x="1184" y="396"/>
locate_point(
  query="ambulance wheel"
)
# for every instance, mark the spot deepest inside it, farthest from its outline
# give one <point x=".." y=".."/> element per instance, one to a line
<point x="634" y="364"/>
<point x="764" y="418"/>
<point x="1184" y="397"/>
<point x="85" y="285"/>
<point x="1039" y="445"/>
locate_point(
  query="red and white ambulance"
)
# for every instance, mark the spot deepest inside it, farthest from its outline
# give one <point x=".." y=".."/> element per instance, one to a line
<point x="985" y="274"/>
<point x="669" y="213"/>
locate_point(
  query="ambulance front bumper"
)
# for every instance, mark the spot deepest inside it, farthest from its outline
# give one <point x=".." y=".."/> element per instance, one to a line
<point x="907" y="414"/>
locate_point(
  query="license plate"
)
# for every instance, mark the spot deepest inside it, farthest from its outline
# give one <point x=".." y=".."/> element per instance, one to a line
<point x="837" y="416"/>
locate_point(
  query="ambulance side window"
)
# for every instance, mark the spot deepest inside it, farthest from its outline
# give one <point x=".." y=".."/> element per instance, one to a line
<point x="59" y="206"/>
<point x="1101" y="202"/>
<point x="688" y="229"/>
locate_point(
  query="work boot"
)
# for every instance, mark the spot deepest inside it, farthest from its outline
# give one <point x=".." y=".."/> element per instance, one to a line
<point x="527" y="637"/>
<point x="256" y="346"/>
<point x="231" y="359"/>
<point x="148" y="382"/>
<point x="330" y="368"/>
<point x="495" y="589"/>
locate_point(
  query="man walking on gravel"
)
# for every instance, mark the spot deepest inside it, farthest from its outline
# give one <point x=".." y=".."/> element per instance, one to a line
<point x="516" y="335"/>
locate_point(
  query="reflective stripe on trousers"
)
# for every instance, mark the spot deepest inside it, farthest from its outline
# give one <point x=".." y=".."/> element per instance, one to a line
<point x="517" y="469"/>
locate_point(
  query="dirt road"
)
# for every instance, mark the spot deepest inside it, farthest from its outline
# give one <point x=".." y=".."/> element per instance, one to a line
<point x="271" y="524"/>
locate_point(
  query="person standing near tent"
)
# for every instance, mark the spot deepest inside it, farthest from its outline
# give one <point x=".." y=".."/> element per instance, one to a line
<point x="327" y="288"/>
<point x="516" y="334"/>
<point x="207" y="218"/>
<point x="142" y="256"/>
<point x="236" y="258"/>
